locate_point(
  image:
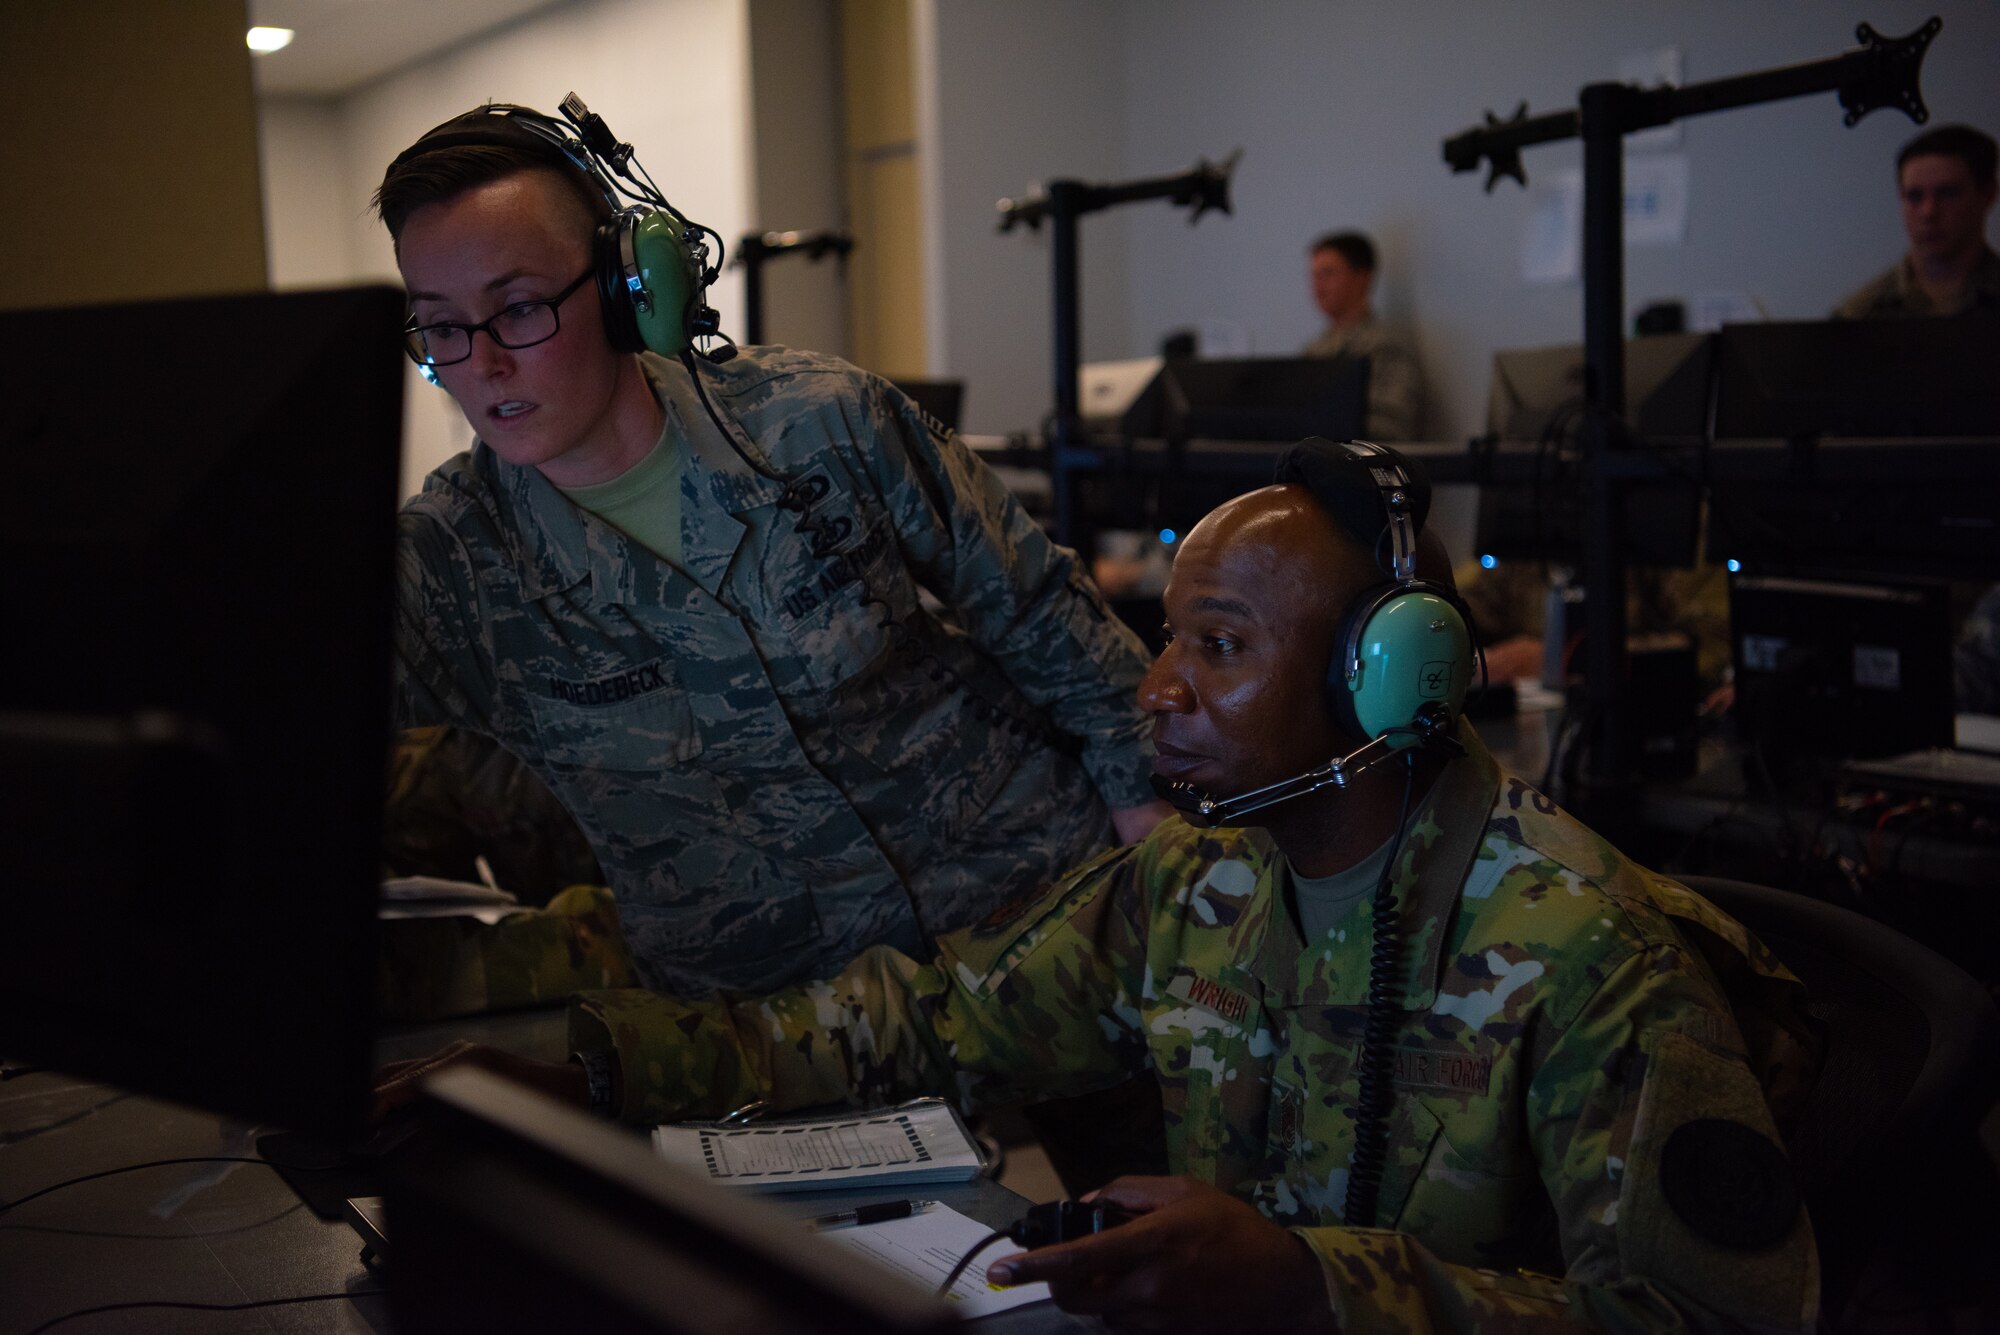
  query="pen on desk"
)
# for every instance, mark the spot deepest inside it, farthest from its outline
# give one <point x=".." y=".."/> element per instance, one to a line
<point x="880" y="1212"/>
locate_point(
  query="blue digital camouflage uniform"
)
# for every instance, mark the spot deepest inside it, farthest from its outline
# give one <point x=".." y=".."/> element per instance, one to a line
<point x="781" y="754"/>
<point x="1564" y="1013"/>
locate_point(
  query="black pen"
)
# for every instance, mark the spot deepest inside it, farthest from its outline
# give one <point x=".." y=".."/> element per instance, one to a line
<point x="880" y="1212"/>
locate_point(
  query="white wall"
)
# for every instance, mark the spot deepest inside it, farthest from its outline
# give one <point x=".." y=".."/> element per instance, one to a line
<point x="308" y="222"/>
<point x="1013" y="93"/>
<point x="669" y="76"/>
<point x="1342" y="109"/>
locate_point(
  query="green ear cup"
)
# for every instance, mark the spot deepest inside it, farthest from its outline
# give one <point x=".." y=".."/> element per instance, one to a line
<point x="1414" y="649"/>
<point x="666" y="271"/>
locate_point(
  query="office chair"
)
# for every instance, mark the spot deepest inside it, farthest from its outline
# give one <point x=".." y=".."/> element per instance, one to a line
<point x="1886" y="1147"/>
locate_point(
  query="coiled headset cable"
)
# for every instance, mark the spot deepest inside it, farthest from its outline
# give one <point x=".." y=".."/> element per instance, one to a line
<point x="1374" y="1069"/>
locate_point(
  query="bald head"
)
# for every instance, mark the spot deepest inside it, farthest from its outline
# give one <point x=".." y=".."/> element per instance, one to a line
<point x="1278" y="542"/>
<point x="1302" y="549"/>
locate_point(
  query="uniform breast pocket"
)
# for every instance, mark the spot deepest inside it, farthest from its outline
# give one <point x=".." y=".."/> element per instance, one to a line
<point x="1476" y="1203"/>
<point x="1414" y="1134"/>
<point x="845" y="610"/>
<point x="627" y="768"/>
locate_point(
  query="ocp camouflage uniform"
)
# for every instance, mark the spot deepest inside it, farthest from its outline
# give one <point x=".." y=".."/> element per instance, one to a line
<point x="1564" y="1014"/>
<point x="1898" y="293"/>
<point x="432" y="968"/>
<point x="1395" y="376"/>
<point x="456" y="796"/>
<point x="779" y="754"/>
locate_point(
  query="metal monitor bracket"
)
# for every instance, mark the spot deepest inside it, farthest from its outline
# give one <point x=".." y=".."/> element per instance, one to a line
<point x="1061" y="203"/>
<point x="1883" y="73"/>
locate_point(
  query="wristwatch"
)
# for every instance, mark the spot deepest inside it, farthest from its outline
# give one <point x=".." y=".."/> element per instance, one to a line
<point x="597" y="1072"/>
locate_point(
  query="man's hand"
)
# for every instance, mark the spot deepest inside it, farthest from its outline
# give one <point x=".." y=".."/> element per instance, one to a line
<point x="396" y="1083"/>
<point x="1195" y="1260"/>
<point x="1135" y="823"/>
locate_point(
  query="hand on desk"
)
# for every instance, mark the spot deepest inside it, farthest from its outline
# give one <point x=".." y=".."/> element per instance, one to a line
<point x="1196" y="1259"/>
<point x="396" y="1083"/>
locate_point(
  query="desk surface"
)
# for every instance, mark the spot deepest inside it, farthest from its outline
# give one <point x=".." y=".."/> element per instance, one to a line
<point x="235" y="1232"/>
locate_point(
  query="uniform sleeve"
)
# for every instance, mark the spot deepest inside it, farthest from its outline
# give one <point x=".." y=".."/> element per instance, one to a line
<point x="1024" y="599"/>
<point x="432" y="968"/>
<point x="438" y="677"/>
<point x="1037" y="1003"/>
<point x="1628" y="1095"/>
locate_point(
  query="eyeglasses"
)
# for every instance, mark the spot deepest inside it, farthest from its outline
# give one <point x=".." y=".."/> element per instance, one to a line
<point x="521" y="325"/>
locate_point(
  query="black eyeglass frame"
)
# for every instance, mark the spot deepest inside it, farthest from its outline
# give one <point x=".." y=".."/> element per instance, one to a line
<point x="413" y="332"/>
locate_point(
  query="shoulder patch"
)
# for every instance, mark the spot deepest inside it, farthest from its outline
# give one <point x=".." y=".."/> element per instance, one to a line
<point x="1729" y="1183"/>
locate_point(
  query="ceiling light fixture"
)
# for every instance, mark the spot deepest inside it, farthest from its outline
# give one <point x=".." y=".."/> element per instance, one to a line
<point x="266" y="40"/>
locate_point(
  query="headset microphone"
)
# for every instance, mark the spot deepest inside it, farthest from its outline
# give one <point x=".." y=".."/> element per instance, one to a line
<point x="1431" y="729"/>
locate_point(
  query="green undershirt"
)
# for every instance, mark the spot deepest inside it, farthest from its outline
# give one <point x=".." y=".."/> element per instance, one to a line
<point x="643" y="502"/>
<point x="1325" y="900"/>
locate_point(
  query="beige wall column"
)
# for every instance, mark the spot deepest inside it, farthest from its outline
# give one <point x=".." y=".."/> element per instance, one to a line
<point x="881" y="155"/>
<point x="131" y="161"/>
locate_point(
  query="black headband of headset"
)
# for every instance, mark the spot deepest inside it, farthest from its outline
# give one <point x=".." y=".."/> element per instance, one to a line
<point x="1349" y="485"/>
<point x="504" y="124"/>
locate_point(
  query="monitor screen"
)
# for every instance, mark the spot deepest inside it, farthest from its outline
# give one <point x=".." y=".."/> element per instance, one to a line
<point x="1265" y="398"/>
<point x="1929" y="377"/>
<point x="513" y="1212"/>
<point x="1829" y="668"/>
<point x="1928" y="508"/>
<point x="1108" y="391"/>
<point x="1537" y="394"/>
<point x="199" y="518"/>
<point x="1666" y="387"/>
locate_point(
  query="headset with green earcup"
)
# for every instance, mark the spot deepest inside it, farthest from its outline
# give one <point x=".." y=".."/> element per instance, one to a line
<point x="648" y="283"/>
<point x="1402" y="648"/>
<point x="652" y="264"/>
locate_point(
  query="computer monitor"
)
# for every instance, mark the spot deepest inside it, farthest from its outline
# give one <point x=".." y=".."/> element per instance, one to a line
<point x="1107" y="391"/>
<point x="1666" y="386"/>
<point x="513" y="1212"/>
<point x="198" y="522"/>
<point x="1835" y="669"/>
<point x="1537" y="394"/>
<point x="1796" y="379"/>
<point x="1912" y="507"/>
<point x="1264" y="398"/>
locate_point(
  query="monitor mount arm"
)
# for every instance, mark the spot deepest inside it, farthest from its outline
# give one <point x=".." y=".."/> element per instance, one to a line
<point x="757" y="247"/>
<point x="1883" y="73"/>
<point x="1061" y="203"/>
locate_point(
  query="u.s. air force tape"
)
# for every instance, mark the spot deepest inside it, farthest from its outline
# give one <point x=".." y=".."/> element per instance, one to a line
<point x="1729" y="1183"/>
